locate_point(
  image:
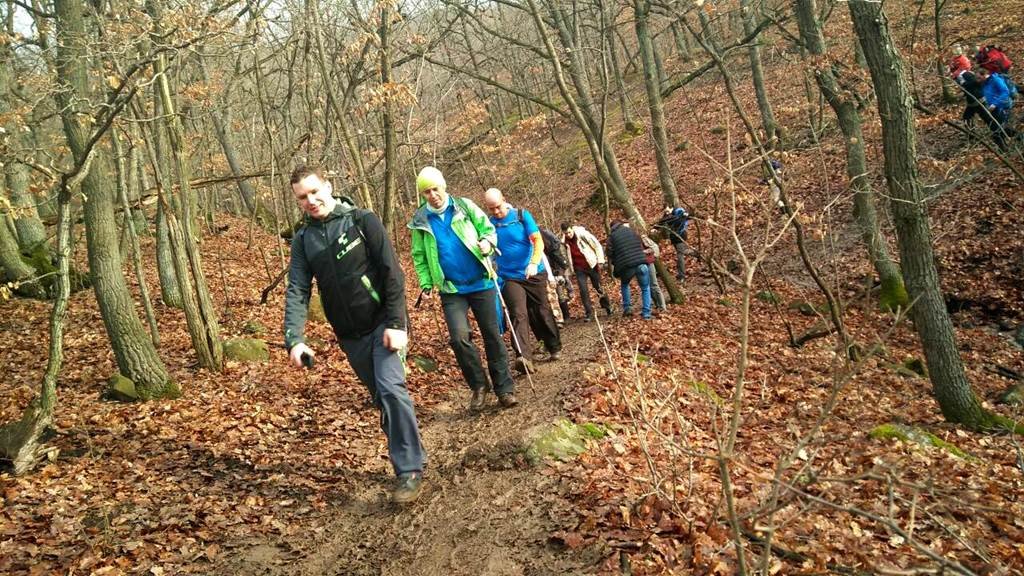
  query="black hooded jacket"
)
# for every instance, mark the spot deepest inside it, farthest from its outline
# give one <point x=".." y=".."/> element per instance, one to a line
<point x="625" y="249"/>
<point x="360" y="281"/>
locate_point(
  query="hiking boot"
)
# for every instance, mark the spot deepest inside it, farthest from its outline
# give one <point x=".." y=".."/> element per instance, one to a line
<point x="555" y="355"/>
<point x="507" y="400"/>
<point x="524" y="366"/>
<point x="476" y="403"/>
<point x="627" y="313"/>
<point x="588" y="318"/>
<point x="407" y="488"/>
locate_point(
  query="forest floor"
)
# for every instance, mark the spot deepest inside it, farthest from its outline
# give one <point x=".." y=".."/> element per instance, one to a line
<point x="485" y="510"/>
<point x="263" y="469"/>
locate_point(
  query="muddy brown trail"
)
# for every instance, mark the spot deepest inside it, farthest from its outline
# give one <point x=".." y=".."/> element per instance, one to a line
<point x="484" y="511"/>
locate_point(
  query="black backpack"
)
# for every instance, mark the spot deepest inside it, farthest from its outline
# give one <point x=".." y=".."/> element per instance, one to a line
<point x="553" y="248"/>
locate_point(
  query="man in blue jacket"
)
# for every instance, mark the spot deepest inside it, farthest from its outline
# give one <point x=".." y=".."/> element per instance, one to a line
<point x="674" y="222"/>
<point x="362" y="289"/>
<point x="998" y="100"/>
<point x="524" y="279"/>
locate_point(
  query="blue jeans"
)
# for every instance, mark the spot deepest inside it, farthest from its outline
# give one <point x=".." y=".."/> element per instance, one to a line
<point x="643" y="277"/>
<point x="383" y="374"/>
<point x="485" y="310"/>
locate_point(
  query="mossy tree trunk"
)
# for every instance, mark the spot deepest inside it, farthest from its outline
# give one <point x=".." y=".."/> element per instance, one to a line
<point x="928" y="311"/>
<point x="136" y="356"/>
<point x="847" y="110"/>
<point x="20" y="441"/>
<point x="14" y="269"/>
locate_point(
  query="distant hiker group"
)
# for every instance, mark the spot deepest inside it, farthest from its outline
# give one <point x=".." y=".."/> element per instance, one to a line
<point x="989" y="91"/>
<point x="512" y="274"/>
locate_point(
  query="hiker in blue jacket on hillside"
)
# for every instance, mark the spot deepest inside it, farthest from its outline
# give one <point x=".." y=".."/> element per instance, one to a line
<point x="675" y="221"/>
<point x="998" y="100"/>
<point x="520" y="263"/>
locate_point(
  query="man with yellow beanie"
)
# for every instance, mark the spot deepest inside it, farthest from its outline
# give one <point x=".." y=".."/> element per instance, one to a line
<point x="451" y="238"/>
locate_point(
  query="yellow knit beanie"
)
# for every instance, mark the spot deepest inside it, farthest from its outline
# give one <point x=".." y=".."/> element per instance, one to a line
<point x="430" y="177"/>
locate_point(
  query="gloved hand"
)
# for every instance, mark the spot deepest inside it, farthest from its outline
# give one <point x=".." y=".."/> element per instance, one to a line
<point x="531" y="270"/>
<point x="297" y="352"/>
<point x="485" y="246"/>
<point x="394" y="339"/>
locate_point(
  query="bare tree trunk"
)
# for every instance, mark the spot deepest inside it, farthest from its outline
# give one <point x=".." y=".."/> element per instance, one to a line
<point x="682" y="43"/>
<point x="641" y="16"/>
<point x="200" y="313"/>
<point x="356" y="171"/>
<point x="140" y="275"/>
<point x="31" y="234"/>
<point x="387" y="121"/>
<point x="221" y="121"/>
<point x="136" y="356"/>
<point x="895" y="104"/>
<point x="894" y="294"/>
<point x="582" y="109"/>
<point x="835" y="313"/>
<point x="757" y="73"/>
<point x="949" y="91"/>
<point x="157" y="149"/>
<point x="136" y="184"/>
<point x="620" y="84"/>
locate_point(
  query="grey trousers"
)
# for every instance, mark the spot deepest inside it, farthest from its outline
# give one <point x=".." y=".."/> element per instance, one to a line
<point x="383" y="374"/>
<point x="680" y="260"/>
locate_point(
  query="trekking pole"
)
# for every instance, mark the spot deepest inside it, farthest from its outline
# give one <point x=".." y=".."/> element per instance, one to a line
<point x="607" y="350"/>
<point x="512" y="330"/>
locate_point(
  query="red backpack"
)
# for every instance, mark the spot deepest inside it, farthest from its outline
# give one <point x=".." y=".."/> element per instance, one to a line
<point x="993" y="59"/>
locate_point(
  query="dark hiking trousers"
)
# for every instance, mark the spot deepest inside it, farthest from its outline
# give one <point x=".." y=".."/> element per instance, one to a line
<point x="485" y="310"/>
<point x="595" y="278"/>
<point x="530" y="310"/>
<point x="999" y="123"/>
<point x="383" y="374"/>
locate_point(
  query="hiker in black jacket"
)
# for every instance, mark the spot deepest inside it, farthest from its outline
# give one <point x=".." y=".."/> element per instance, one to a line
<point x="362" y="288"/>
<point x="626" y="253"/>
<point x="559" y="267"/>
<point x="970" y="84"/>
